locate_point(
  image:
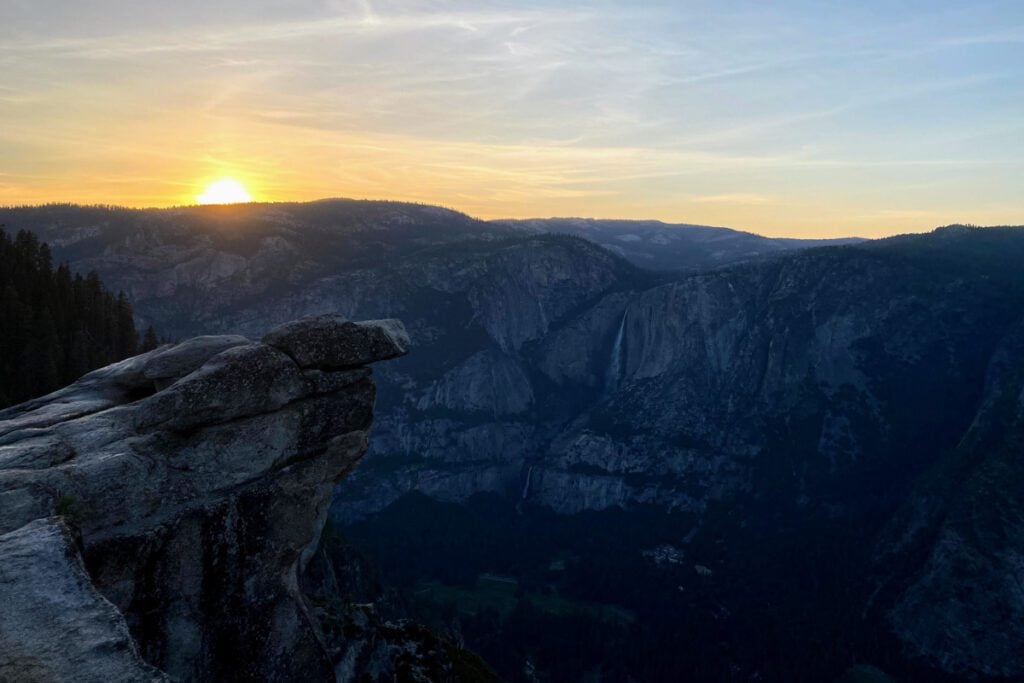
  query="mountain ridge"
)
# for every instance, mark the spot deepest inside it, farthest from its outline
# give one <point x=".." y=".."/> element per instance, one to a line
<point x="607" y="232"/>
<point x="673" y="246"/>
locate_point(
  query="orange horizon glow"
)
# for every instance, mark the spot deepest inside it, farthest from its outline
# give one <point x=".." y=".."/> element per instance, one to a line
<point x="522" y="111"/>
<point x="279" y="163"/>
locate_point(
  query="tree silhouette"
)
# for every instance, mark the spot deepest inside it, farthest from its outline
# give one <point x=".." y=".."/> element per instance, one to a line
<point x="56" y="326"/>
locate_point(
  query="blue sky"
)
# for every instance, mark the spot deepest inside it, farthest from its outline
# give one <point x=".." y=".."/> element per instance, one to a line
<point x="787" y="118"/>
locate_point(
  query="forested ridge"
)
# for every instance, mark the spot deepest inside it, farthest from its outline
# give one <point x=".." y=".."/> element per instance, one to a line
<point x="55" y="325"/>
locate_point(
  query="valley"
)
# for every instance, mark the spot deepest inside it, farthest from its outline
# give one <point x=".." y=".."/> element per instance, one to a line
<point x="822" y="431"/>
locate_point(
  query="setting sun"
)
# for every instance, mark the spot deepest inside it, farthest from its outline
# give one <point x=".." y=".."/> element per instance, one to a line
<point x="225" y="191"/>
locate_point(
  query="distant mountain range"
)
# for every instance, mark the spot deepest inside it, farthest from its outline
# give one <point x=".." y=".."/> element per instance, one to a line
<point x="672" y="246"/>
<point x="791" y="459"/>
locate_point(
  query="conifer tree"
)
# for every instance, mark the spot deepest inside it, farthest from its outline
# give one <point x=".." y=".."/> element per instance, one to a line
<point x="149" y="340"/>
<point x="54" y="325"/>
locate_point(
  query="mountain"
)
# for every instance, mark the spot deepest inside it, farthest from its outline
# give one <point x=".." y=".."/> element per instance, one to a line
<point x="835" y="432"/>
<point x="671" y="246"/>
<point x="238" y="251"/>
<point x="773" y="470"/>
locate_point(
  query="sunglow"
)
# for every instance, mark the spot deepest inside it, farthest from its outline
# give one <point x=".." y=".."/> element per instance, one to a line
<point x="224" y="191"/>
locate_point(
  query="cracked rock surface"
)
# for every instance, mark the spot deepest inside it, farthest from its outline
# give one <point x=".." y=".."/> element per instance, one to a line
<point x="197" y="479"/>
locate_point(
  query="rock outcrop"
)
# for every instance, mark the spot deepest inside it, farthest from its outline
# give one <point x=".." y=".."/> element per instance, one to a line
<point x="196" y="479"/>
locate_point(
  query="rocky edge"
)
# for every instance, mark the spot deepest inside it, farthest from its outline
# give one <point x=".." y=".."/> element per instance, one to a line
<point x="155" y="516"/>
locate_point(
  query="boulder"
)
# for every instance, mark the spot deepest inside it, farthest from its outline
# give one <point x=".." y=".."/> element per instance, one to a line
<point x="331" y="341"/>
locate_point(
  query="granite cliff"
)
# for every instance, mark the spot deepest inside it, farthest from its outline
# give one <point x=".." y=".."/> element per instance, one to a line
<point x="156" y="516"/>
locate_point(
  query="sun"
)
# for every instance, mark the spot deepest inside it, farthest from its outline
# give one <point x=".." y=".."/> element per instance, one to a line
<point x="225" y="191"/>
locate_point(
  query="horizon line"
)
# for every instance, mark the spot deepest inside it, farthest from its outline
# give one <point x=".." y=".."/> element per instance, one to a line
<point x="667" y="223"/>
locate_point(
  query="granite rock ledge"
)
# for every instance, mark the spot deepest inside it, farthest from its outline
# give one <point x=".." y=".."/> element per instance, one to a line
<point x="155" y="516"/>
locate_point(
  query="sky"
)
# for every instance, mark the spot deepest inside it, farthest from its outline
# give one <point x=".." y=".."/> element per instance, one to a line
<point x="788" y="117"/>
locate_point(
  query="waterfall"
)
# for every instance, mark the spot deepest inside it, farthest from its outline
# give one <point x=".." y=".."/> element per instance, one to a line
<point x="614" y="373"/>
<point x="526" y="485"/>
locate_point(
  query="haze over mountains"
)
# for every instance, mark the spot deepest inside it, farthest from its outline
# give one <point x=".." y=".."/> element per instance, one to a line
<point x="790" y="457"/>
<point x="667" y="246"/>
<point x="649" y="244"/>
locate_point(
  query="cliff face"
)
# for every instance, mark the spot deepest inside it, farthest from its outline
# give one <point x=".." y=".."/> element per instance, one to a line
<point x="866" y="397"/>
<point x="851" y="361"/>
<point x="951" y="562"/>
<point x="197" y="479"/>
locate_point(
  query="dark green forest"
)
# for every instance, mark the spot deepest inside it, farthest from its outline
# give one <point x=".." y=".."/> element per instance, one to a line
<point x="546" y="597"/>
<point x="55" y="325"/>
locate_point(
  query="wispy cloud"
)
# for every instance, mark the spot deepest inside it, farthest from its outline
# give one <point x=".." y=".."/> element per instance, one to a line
<point x="520" y="108"/>
<point x="199" y="40"/>
<point x="735" y="198"/>
<point x="1007" y="36"/>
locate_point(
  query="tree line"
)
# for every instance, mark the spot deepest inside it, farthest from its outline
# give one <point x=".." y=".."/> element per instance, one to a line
<point x="56" y="325"/>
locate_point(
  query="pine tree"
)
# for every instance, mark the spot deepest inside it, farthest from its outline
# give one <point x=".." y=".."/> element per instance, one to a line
<point x="127" y="337"/>
<point x="54" y="326"/>
<point x="149" y="340"/>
